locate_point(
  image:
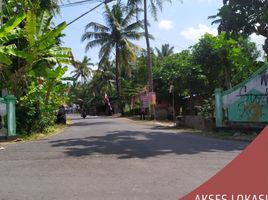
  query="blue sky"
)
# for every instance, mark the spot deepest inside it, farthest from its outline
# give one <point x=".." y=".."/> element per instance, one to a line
<point x="179" y="24"/>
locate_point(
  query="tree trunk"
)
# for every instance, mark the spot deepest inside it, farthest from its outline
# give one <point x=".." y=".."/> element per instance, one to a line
<point x="265" y="47"/>
<point x="149" y="58"/>
<point x="117" y="71"/>
<point x="227" y="78"/>
<point x="117" y="76"/>
<point x="227" y="72"/>
<point x="48" y="93"/>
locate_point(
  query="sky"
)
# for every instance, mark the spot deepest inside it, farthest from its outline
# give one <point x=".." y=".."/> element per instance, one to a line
<point x="179" y="24"/>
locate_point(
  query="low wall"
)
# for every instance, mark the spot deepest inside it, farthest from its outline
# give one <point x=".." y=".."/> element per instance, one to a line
<point x="196" y="122"/>
<point x="161" y="113"/>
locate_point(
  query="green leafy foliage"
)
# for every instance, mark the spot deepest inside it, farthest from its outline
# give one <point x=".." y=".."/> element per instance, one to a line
<point x="224" y="62"/>
<point x="240" y="17"/>
<point x="8" y="32"/>
<point x="34" y="115"/>
<point x="207" y="108"/>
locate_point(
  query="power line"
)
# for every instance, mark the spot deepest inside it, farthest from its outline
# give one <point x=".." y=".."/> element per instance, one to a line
<point x="78" y="3"/>
<point x="104" y="2"/>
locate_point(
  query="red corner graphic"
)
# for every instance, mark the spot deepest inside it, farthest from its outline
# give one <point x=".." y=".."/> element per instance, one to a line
<point x="244" y="178"/>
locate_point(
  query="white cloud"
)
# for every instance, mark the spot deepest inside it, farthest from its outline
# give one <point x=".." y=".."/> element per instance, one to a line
<point x="259" y="40"/>
<point x="194" y="33"/>
<point x="166" y="24"/>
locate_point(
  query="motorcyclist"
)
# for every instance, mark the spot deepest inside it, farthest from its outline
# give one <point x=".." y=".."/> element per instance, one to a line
<point x="61" y="116"/>
<point x="83" y="112"/>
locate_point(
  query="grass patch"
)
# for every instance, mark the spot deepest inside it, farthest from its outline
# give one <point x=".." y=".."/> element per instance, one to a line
<point x="53" y="130"/>
<point x="230" y="135"/>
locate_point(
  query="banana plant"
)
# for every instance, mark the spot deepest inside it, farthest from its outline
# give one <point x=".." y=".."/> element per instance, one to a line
<point x="43" y="41"/>
<point x="8" y="32"/>
<point x="43" y="44"/>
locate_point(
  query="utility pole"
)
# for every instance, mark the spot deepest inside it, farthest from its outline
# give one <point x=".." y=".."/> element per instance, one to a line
<point x="172" y="90"/>
<point x="174" y="117"/>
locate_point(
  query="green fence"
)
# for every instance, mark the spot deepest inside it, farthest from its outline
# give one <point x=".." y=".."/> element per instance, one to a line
<point x="245" y="103"/>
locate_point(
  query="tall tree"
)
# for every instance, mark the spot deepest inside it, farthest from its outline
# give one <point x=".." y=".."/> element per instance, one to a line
<point x="82" y="69"/>
<point x="242" y="17"/>
<point x="115" y="37"/>
<point x="224" y="62"/>
<point x="153" y="6"/>
<point x="103" y="79"/>
<point x="166" y="50"/>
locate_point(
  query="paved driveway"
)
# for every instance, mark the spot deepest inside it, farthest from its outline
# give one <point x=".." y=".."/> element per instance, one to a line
<point x="103" y="158"/>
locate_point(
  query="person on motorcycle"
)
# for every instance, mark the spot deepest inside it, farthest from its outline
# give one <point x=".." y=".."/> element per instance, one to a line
<point x="84" y="112"/>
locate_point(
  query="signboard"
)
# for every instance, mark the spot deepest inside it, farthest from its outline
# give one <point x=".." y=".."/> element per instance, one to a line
<point x="152" y="98"/>
<point x="145" y="101"/>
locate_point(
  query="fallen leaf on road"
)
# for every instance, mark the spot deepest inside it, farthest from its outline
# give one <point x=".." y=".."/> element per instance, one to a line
<point x="18" y="140"/>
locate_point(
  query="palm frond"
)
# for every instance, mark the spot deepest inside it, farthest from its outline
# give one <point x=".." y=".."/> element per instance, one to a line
<point x="96" y="43"/>
<point x="97" y="27"/>
<point x="134" y="26"/>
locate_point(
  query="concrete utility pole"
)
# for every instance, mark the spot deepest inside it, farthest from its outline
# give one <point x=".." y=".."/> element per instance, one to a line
<point x="174" y="116"/>
<point x="172" y="90"/>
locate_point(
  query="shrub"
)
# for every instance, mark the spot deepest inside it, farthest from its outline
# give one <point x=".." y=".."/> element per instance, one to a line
<point x="34" y="115"/>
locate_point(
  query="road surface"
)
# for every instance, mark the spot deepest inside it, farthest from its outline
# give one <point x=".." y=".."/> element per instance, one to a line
<point x="103" y="158"/>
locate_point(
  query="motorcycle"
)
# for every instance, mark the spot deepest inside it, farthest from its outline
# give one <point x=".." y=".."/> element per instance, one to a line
<point x="84" y="114"/>
<point x="61" y="116"/>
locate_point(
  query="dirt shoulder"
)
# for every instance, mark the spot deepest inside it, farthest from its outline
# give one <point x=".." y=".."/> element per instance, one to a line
<point x="240" y="136"/>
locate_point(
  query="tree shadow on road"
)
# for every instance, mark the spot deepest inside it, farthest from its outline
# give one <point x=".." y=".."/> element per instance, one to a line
<point x="88" y="123"/>
<point x="133" y="144"/>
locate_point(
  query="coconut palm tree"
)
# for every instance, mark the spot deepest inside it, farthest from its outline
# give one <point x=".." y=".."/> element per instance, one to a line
<point x="152" y="6"/>
<point x="103" y="79"/>
<point x="82" y="69"/>
<point x="115" y="36"/>
<point x="166" y="50"/>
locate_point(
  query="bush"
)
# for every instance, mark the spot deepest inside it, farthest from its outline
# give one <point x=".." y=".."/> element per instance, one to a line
<point x="207" y="108"/>
<point x="33" y="114"/>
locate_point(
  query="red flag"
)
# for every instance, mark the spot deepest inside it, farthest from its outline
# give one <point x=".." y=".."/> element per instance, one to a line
<point x="106" y="98"/>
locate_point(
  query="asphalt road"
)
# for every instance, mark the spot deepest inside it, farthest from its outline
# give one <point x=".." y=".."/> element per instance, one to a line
<point x="102" y="158"/>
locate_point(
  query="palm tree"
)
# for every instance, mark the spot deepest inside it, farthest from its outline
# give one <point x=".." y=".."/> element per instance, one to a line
<point x="115" y="36"/>
<point x="82" y="70"/>
<point x="154" y="6"/>
<point x="166" y="50"/>
<point x="103" y="79"/>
